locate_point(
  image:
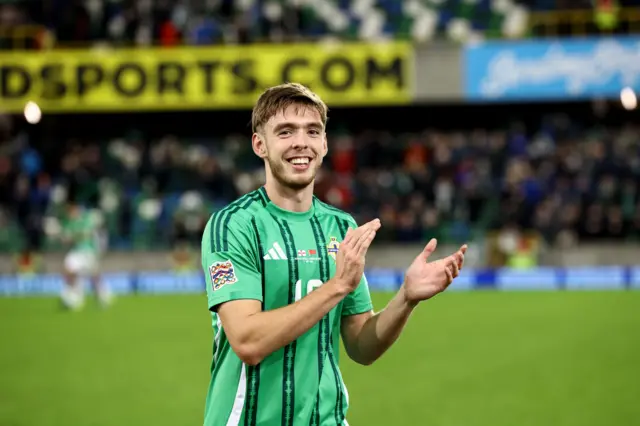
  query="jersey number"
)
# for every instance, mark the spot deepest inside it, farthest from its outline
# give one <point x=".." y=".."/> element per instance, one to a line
<point x="311" y="285"/>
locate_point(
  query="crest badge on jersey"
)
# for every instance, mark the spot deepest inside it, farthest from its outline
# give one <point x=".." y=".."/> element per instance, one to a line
<point x="222" y="273"/>
<point x="333" y="247"/>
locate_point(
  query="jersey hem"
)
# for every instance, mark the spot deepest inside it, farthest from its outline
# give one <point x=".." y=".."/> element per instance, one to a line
<point x="236" y="295"/>
<point x="357" y="309"/>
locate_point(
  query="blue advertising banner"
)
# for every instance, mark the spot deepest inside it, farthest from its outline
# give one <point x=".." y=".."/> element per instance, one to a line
<point x="527" y="279"/>
<point x="591" y="278"/>
<point x="634" y="279"/>
<point x="551" y="69"/>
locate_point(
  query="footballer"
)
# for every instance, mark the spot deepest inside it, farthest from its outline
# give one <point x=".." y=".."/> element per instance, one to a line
<point x="285" y="282"/>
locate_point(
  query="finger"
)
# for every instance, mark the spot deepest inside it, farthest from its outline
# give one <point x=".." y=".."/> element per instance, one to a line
<point x="354" y="236"/>
<point x="455" y="271"/>
<point x="460" y="260"/>
<point x="358" y="244"/>
<point x="348" y="236"/>
<point x="463" y="249"/>
<point x="374" y="224"/>
<point x="447" y="271"/>
<point x="362" y="250"/>
<point x="429" y="249"/>
<point x="357" y="233"/>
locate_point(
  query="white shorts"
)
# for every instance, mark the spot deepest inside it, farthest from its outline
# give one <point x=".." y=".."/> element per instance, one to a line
<point x="81" y="263"/>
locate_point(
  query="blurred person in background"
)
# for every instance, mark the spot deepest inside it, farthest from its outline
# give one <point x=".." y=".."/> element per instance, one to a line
<point x="189" y="220"/>
<point x="28" y="262"/>
<point x="80" y="232"/>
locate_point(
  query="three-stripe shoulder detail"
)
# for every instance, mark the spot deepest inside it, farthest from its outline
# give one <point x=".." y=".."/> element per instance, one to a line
<point x="220" y="221"/>
<point x="334" y="211"/>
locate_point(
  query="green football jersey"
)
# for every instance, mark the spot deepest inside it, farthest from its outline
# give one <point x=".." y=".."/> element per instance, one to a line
<point x="82" y="231"/>
<point x="253" y="249"/>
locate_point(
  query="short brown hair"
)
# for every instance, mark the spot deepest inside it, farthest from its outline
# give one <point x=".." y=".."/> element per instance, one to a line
<point x="278" y="98"/>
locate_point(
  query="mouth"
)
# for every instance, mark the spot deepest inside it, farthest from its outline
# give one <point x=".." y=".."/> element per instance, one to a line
<point x="300" y="163"/>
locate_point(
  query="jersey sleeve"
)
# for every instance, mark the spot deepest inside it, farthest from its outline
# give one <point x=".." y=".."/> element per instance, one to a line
<point x="359" y="300"/>
<point x="229" y="261"/>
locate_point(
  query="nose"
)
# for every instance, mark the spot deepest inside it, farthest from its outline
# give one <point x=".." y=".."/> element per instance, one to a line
<point x="299" y="141"/>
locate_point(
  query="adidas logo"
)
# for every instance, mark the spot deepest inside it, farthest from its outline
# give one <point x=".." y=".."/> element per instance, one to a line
<point x="275" y="253"/>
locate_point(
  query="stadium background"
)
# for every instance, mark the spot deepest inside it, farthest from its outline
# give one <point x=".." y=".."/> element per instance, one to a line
<point x="508" y="125"/>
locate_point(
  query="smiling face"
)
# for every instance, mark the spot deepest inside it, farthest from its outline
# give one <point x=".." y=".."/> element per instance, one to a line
<point x="293" y="145"/>
<point x="289" y="134"/>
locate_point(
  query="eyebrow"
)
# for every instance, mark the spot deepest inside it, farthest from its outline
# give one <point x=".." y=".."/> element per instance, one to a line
<point x="314" y="124"/>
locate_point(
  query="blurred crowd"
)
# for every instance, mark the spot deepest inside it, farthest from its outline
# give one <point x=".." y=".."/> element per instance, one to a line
<point x="567" y="182"/>
<point x="31" y="23"/>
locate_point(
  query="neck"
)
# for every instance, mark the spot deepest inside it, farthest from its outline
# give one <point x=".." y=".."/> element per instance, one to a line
<point x="294" y="200"/>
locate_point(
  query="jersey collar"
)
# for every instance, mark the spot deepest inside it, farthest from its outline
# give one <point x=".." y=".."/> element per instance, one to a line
<point x="288" y="214"/>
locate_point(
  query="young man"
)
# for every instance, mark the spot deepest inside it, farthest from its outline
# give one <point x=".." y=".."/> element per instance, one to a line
<point x="80" y="230"/>
<point x="284" y="276"/>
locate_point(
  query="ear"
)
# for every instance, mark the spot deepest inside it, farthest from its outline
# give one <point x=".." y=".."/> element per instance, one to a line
<point x="259" y="145"/>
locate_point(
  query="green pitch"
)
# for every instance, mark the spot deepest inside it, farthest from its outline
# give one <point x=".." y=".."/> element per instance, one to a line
<point x="466" y="359"/>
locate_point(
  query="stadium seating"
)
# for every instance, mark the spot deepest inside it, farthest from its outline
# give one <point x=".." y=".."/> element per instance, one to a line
<point x="227" y="21"/>
<point x="25" y="23"/>
<point x="565" y="181"/>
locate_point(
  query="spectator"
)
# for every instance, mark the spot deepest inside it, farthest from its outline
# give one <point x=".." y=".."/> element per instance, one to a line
<point x="157" y="192"/>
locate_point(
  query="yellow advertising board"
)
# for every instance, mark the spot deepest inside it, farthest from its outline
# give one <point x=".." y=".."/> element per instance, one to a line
<point x="202" y="77"/>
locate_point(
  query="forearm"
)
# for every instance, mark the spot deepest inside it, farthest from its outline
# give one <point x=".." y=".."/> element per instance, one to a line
<point x="265" y="332"/>
<point x="383" y="329"/>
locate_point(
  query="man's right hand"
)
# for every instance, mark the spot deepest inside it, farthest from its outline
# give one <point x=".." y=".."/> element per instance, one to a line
<point x="350" y="259"/>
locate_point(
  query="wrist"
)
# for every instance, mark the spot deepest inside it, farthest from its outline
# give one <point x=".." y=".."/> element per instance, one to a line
<point x="340" y="287"/>
<point x="404" y="300"/>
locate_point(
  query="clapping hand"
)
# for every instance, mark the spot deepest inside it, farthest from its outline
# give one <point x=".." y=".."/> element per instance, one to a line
<point x="350" y="259"/>
<point x="424" y="279"/>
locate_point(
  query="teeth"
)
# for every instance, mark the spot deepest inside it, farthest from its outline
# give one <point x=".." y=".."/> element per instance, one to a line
<point x="300" y="161"/>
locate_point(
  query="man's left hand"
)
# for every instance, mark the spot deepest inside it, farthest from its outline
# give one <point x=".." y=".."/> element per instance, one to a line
<point x="424" y="279"/>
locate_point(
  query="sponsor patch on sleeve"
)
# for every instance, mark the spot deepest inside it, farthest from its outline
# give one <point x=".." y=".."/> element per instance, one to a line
<point x="222" y="273"/>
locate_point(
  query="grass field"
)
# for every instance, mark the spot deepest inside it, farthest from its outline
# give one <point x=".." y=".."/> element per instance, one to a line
<point x="466" y="359"/>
